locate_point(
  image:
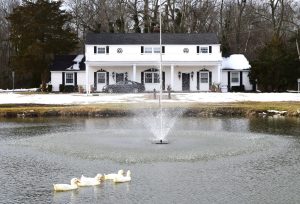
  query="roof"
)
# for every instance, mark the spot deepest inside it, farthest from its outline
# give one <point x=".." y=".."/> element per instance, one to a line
<point x="68" y="62"/>
<point x="235" y="62"/>
<point x="151" y="38"/>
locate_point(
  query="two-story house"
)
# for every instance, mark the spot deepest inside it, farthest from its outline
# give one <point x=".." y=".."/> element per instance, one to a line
<point x="190" y="62"/>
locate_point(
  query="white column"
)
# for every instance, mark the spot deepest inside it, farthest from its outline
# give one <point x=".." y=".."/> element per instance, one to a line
<point x="172" y="77"/>
<point x="87" y="87"/>
<point x="219" y="73"/>
<point x="134" y="72"/>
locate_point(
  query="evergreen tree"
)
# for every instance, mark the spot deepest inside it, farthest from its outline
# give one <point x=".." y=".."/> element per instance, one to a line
<point x="39" y="31"/>
<point x="277" y="67"/>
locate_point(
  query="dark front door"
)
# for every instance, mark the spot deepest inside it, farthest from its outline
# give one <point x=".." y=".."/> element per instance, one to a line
<point x="185" y="82"/>
<point x="119" y="77"/>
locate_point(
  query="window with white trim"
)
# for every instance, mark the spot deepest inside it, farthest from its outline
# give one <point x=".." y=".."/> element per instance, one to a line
<point x="101" y="50"/>
<point x="156" y="49"/>
<point x="148" y="50"/>
<point x="151" y="77"/>
<point x="235" y="77"/>
<point x="101" y="77"/>
<point x="70" y="78"/>
<point x="204" y="49"/>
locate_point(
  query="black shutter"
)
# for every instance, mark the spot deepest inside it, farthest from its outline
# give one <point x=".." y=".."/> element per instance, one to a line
<point x="107" y="49"/>
<point x="210" y="80"/>
<point x="198" y="49"/>
<point x="75" y="78"/>
<point x="63" y="78"/>
<point x="95" y="80"/>
<point x="142" y="49"/>
<point x="210" y="49"/>
<point x="198" y="81"/>
<point x="107" y="78"/>
<point x="163" y="49"/>
<point x="142" y="77"/>
<point x="95" y="49"/>
<point x="229" y="86"/>
<point x="241" y="78"/>
<point x="163" y="80"/>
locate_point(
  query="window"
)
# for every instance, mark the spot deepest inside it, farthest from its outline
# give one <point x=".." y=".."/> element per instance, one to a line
<point x="148" y="49"/>
<point x="156" y="49"/>
<point x="148" y="77"/>
<point x="101" y="50"/>
<point x="101" y="77"/>
<point x="151" y="77"/>
<point x="204" y="49"/>
<point x="69" y="78"/>
<point x="235" y="77"/>
<point x="151" y="50"/>
<point x="204" y="77"/>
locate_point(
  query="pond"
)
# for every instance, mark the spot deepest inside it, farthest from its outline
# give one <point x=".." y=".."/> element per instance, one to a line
<point x="207" y="160"/>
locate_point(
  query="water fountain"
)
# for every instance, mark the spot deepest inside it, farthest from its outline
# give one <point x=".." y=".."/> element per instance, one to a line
<point x="162" y="137"/>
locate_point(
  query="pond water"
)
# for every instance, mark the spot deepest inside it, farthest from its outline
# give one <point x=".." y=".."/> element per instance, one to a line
<point x="208" y="160"/>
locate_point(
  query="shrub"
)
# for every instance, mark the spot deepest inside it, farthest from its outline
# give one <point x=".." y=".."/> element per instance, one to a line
<point x="49" y="88"/>
<point x="61" y="88"/>
<point x="238" y="88"/>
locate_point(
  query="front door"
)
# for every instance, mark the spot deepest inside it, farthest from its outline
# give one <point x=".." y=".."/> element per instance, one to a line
<point x="101" y="80"/>
<point x="185" y="82"/>
<point x="119" y="77"/>
<point x="204" y="81"/>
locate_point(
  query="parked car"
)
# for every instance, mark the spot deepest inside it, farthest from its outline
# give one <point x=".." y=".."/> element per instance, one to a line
<point x="124" y="87"/>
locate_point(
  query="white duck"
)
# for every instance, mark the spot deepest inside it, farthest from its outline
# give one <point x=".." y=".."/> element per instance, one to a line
<point x="113" y="176"/>
<point x="67" y="187"/>
<point x="122" y="179"/>
<point x="89" y="181"/>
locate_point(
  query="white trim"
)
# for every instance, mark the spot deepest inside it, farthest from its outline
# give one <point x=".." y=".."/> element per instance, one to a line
<point x="152" y="63"/>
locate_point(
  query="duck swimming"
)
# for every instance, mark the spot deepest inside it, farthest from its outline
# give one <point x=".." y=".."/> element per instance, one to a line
<point x="122" y="179"/>
<point x="67" y="187"/>
<point x="113" y="176"/>
<point x="90" y="181"/>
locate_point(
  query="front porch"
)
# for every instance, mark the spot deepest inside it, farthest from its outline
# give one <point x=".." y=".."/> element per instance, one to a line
<point x="179" y="77"/>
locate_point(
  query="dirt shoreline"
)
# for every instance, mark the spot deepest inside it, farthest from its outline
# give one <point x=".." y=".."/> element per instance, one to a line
<point x="237" y="109"/>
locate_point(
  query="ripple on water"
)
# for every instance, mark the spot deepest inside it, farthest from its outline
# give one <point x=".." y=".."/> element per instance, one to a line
<point x="135" y="146"/>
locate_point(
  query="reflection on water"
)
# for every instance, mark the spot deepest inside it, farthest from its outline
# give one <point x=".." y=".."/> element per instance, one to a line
<point x="208" y="160"/>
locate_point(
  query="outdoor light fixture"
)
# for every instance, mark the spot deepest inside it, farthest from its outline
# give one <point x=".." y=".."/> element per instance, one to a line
<point x="179" y="75"/>
<point x="192" y="75"/>
<point x="113" y="75"/>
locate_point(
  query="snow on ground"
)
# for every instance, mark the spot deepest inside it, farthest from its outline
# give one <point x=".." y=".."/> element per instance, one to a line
<point x="16" y="98"/>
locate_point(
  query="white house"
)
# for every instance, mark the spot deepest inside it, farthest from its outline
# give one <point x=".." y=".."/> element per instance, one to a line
<point x="190" y="62"/>
<point x="235" y="71"/>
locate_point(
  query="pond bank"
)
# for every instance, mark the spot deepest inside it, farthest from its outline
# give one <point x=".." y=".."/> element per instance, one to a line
<point x="240" y="109"/>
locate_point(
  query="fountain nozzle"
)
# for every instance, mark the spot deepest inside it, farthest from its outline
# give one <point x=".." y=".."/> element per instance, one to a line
<point x="160" y="141"/>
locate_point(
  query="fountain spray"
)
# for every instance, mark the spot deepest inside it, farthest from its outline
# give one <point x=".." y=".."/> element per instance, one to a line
<point x="161" y="141"/>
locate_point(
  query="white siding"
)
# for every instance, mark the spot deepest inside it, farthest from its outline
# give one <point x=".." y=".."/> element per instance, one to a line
<point x="132" y="53"/>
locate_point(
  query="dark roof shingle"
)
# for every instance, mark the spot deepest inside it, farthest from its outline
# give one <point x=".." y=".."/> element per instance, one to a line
<point x="151" y="38"/>
<point x="62" y="62"/>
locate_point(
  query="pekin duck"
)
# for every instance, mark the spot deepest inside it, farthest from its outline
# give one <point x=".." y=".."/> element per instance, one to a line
<point x="113" y="176"/>
<point x="67" y="187"/>
<point x="90" y="181"/>
<point x="122" y="179"/>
